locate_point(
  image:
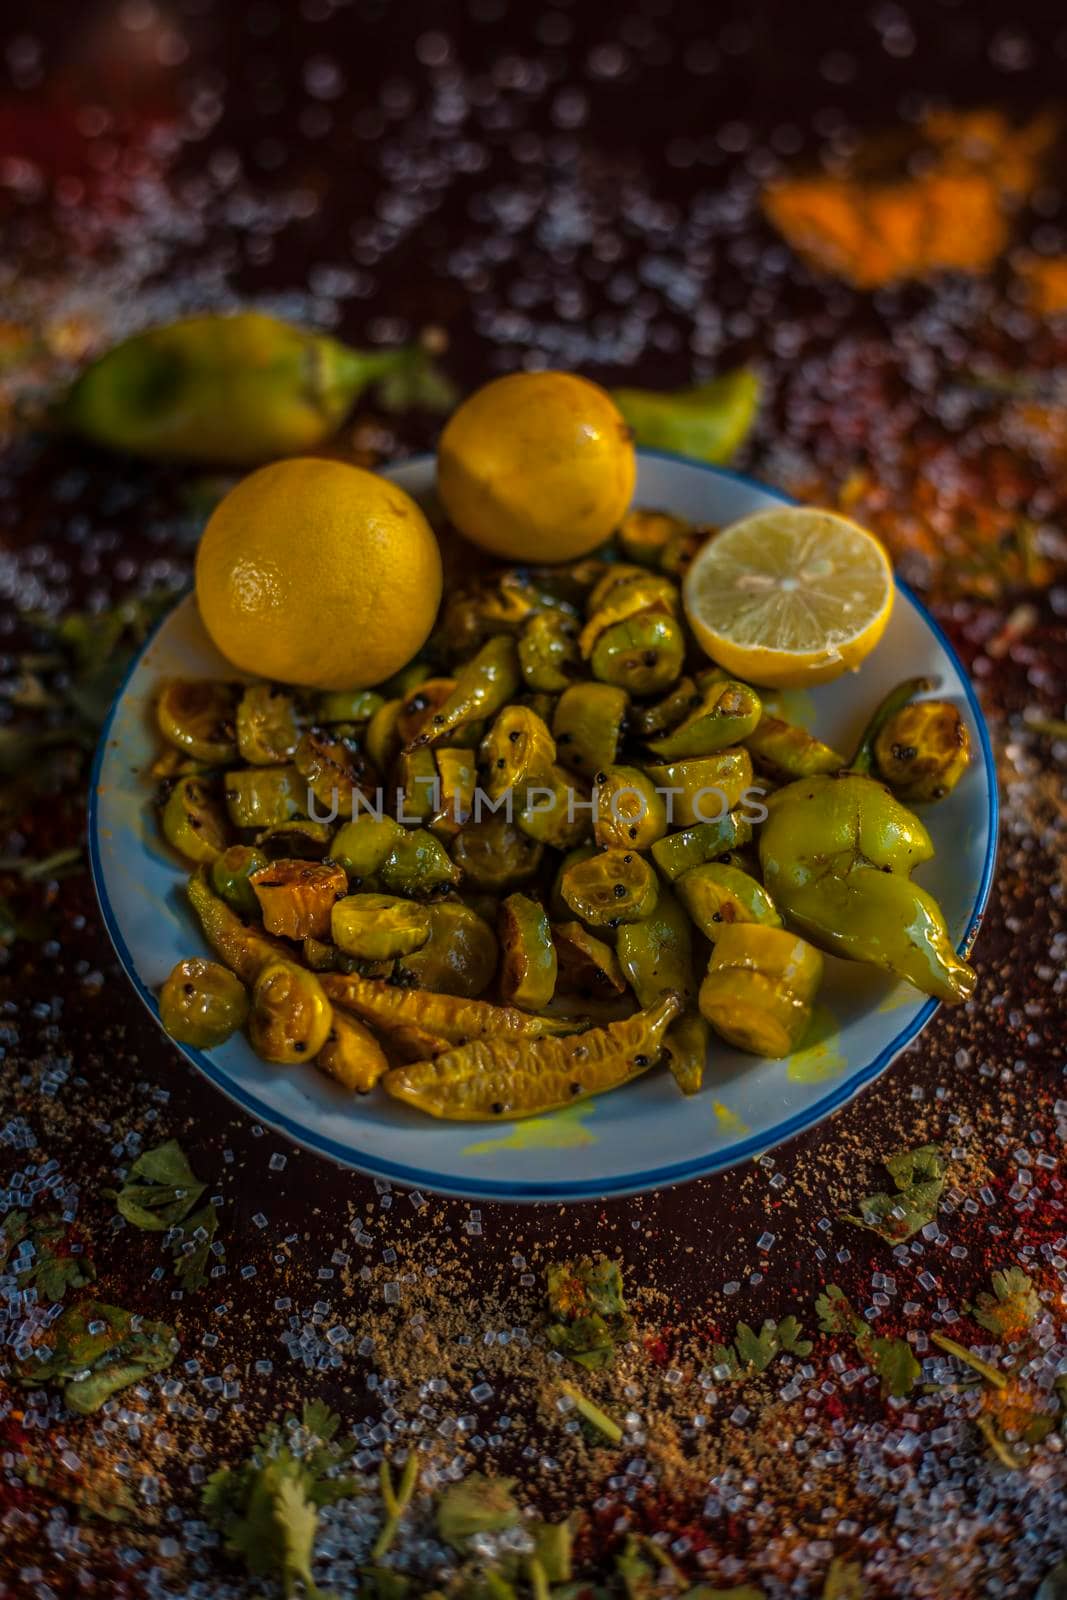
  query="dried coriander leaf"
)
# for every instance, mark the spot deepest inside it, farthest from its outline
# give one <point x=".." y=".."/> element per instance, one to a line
<point x="891" y="1359"/>
<point x="919" y="1176"/>
<point x="587" y="1309"/>
<point x="476" y="1504"/>
<point x="169" y="1190"/>
<point x="97" y="1350"/>
<point x="49" y="1271"/>
<point x="1011" y="1308"/>
<point x="191" y="1253"/>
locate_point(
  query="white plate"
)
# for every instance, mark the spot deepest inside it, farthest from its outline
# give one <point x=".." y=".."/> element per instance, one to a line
<point x="645" y="1135"/>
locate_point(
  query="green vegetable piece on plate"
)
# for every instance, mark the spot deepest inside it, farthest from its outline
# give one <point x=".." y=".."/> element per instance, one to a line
<point x="363" y="845"/>
<point x="726" y="714"/>
<point x="837" y="854"/>
<point x="377" y="927"/>
<point x="418" y="864"/>
<point x="588" y="725"/>
<point x="630" y="813"/>
<point x="610" y="887"/>
<point x="460" y="955"/>
<point x="348" y="705"/>
<point x="528" y="955"/>
<point x="193" y="822"/>
<point x="202" y="1003"/>
<point x="709" y="422"/>
<point x="494" y="853"/>
<point x="703" y="788"/>
<point x="705" y="841"/>
<point x="716" y="895"/>
<point x="787" y="751"/>
<point x="642" y="655"/>
<point x="484" y="685"/>
<point x="261" y="797"/>
<point x="230" y="873"/>
<point x="196" y="716"/>
<point x="548" y="651"/>
<point x="267" y="733"/>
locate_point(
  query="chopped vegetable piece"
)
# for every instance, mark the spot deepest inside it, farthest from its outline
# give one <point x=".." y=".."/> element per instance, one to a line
<point x="450" y="1016"/>
<point x="296" y="898"/>
<point x="377" y="927"/>
<point x="197" y="717"/>
<point x="611" y="887"/>
<point x="528" y="969"/>
<point x="193" y="822"/>
<point x="498" y="1077"/>
<point x="202" y="1004"/>
<point x="291" y="1015"/>
<point x="266" y="725"/>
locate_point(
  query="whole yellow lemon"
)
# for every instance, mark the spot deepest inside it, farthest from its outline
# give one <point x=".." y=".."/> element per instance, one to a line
<point x="318" y="573"/>
<point x="537" y="466"/>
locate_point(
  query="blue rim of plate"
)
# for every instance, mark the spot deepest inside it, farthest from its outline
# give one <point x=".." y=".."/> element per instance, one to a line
<point x="548" y="1193"/>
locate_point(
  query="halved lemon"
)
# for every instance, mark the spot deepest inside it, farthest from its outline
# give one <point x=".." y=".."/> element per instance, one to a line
<point x="790" y="597"/>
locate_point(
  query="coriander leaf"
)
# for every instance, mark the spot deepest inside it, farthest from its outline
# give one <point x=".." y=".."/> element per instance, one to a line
<point x="639" y="1576"/>
<point x="919" y="1176"/>
<point x="191" y="1253"/>
<point x="835" y="1312"/>
<point x="789" y="1337"/>
<point x="709" y="422"/>
<point x="297" y="1520"/>
<point x="756" y="1349"/>
<point x="476" y="1504"/>
<point x="587" y="1310"/>
<point x="168" y="1193"/>
<point x="893" y="1361"/>
<point x="97" y="1350"/>
<point x="1011" y="1308"/>
<point x="722" y="1355"/>
<point x="47" y="1270"/>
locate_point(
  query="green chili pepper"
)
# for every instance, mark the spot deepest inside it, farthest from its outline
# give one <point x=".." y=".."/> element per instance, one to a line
<point x="709" y="422"/>
<point x="261" y="797"/>
<point x="705" y="788"/>
<point x="691" y="847"/>
<point x="717" y="894"/>
<point x="662" y="715"/>
<point x="234" y="389"/>
<point x="727" y="713"/>
<point x="836" y="855"/>
<point x="641" y="655"/>
<point x="483" y="686"/>
<point x="656" y="955"/>
<point x="588" y="726"/>
<point x="897" y="697"/>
